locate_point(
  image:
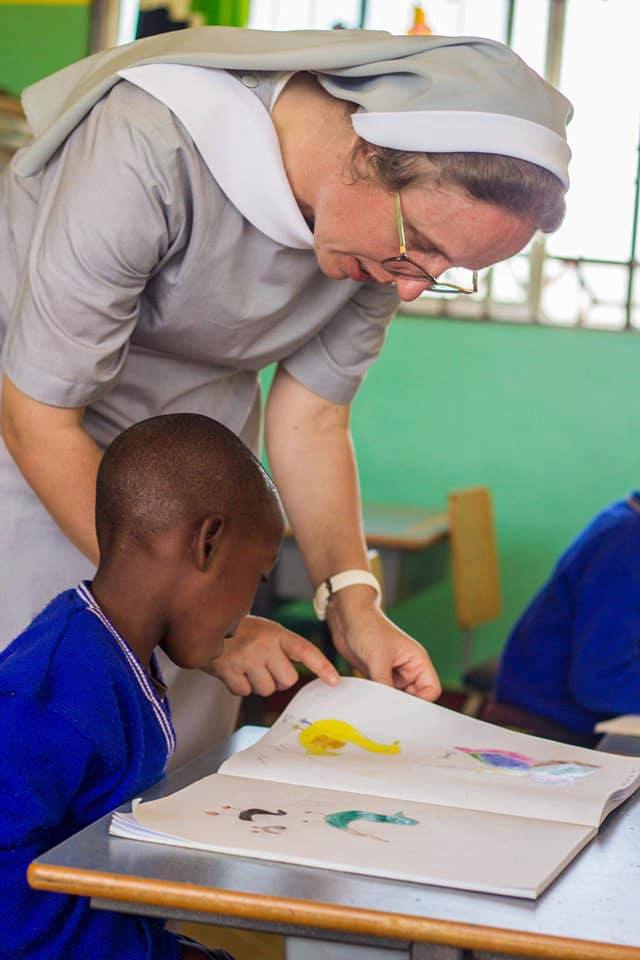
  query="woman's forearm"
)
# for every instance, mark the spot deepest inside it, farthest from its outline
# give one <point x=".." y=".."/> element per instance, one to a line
<point x="313" y="464"/>
<point x="58" y="459"/>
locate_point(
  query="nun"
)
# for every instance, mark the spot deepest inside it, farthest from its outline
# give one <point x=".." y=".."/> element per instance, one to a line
<point x="198" y="205"/>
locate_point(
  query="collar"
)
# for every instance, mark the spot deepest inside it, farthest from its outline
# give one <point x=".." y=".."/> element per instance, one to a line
<point x="234" y="134"/>
<point x="145" y="682"/>
<point x="633" y="501"/>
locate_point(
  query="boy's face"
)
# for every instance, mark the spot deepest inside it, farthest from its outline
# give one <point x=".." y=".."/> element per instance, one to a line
<point x="209" y="604"/>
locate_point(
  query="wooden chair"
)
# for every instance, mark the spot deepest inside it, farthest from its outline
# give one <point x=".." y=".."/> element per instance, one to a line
<point x="474" y="566"/>
<point x="477" y="600"/>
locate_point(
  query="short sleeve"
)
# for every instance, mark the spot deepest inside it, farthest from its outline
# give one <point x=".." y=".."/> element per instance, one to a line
<point x="109" y="213"/>
<point x="334" y="363"/>
<point x="48" y="770"/>
<point x="605" y="631"/>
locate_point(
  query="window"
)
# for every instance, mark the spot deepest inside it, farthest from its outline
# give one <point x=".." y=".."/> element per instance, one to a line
<point x="303" y="14"/>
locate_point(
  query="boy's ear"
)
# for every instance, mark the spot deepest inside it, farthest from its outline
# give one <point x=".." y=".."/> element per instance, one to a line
<point x="207" y="539"/>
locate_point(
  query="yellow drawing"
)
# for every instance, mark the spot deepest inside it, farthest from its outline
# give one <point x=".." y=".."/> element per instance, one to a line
<point x="324" y="738"/>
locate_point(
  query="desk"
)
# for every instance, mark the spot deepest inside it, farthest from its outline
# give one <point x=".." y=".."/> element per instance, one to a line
<point x="589" y="913"/>
<point x="411" y="542"/>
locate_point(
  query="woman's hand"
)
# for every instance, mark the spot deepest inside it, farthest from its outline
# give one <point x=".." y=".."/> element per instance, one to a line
<point x="259" y="659"/>
<point x="377" y="648"/>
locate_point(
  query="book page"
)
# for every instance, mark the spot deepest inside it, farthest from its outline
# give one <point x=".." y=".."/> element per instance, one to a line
<point x="368" y="738"/>
<point x="359" y="834"/>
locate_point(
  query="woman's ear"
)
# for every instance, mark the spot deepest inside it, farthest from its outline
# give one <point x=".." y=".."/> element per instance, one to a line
<point x="207" y="539"/>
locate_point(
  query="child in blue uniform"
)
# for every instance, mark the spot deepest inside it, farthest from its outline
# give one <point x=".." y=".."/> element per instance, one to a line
<point x="188" y="523"/>
<point x="573" y="658"/>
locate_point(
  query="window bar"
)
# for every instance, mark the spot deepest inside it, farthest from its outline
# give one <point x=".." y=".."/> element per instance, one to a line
<point x="509" y="20"/>
<point x="104" y="21"/>
<point x="633" y="263"/>
<point x="553" y="62"/>
<point x="510" y="16"/>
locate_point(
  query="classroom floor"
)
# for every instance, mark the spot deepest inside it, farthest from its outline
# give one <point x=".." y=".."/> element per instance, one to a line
<point x="241" y="944"/>
<point x="244" y="945"/>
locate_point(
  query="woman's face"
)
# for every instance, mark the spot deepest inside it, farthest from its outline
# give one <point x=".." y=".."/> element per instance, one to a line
<point x="355" y="230"/>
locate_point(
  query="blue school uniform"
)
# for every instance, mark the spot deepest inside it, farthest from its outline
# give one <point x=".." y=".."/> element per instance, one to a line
<point x="574" y="655"/>
<point x="83" y="728"/>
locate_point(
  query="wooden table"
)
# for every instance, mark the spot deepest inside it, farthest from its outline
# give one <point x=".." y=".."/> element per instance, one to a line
<point x="589" y="913"/>
<point x="412" y="542"/>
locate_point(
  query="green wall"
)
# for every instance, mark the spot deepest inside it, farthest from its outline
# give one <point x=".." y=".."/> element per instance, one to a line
<point x="545" y="417"/>
<point x="38" y="39"/>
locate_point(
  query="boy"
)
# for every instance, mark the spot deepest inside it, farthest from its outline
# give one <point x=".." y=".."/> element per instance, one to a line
<point x="188" y="522"/>
<point x="573" y="658"/>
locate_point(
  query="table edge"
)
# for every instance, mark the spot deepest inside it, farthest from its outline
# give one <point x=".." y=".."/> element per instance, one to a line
<point x="186" y="896"/>
<point x="392" y="541"/>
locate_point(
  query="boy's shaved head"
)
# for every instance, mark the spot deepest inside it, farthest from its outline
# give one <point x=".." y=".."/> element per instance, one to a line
<point x="177" y="469"/>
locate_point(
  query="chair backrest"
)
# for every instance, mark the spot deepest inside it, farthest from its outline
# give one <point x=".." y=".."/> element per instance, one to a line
<point x="474" y="557"/>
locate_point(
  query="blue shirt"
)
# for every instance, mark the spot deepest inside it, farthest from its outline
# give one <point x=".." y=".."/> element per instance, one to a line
<point x="83" y="728"/>
<point x="574" y="655"/>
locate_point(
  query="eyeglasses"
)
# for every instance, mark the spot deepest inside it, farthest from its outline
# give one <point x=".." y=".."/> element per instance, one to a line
<point x="404" y="266"/>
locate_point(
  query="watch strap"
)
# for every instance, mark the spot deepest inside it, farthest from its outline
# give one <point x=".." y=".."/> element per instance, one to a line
<point x="339" y="581"/>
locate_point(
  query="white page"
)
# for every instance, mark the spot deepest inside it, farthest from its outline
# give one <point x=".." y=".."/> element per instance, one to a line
<point x="440" y="756"/>
<point x="359" y="834"/>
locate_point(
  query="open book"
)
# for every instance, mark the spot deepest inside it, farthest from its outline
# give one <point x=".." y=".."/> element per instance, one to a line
<point x="365" y="779"/>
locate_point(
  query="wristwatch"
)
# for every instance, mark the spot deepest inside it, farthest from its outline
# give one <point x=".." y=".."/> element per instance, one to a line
<point x="337" y="582"/>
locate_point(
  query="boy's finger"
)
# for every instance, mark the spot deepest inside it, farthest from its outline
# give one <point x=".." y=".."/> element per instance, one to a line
<point x="296" y="648"/>
<point x="282" y="670"/>
<point x="235" y="682"/>
<point x="261" y="681"/>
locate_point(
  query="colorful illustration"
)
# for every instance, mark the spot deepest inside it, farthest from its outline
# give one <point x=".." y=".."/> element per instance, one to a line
<point x="324" y="738"/>
<point x="551" y="771"/>
<point x="344" y="818"/>
<point x="341" y="820"/>
<point x="248" y="816"/>
<point x="252" y="812"/>
<point x="561" y="771"/>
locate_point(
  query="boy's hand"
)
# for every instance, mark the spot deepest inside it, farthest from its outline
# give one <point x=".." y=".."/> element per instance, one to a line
<point x="259" y="659"/>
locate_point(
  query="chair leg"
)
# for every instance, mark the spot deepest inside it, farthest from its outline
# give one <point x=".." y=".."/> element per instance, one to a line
<point x="473" y="704"/>
<point x="466" y="650"/>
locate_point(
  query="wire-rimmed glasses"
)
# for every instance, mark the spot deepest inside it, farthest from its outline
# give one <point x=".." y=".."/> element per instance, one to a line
<point x="404" y="266"/>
